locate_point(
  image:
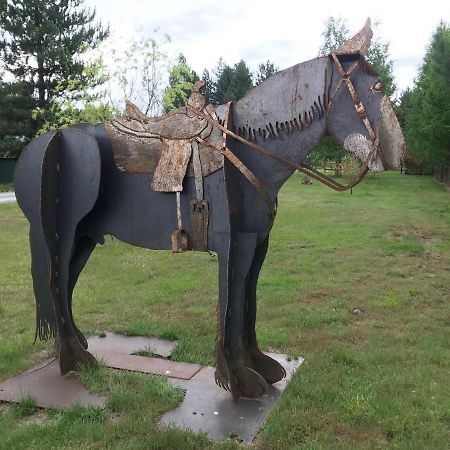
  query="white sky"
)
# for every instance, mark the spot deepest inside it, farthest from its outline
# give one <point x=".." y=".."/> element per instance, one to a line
<point x="285" y="32"/>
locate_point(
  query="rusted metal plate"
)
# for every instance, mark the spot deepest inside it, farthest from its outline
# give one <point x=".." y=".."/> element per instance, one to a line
<point x="135" y="154"/>
<point x="359" y="43"/>
<point x="144" y="364"/>
<point x="176" y="125"/>
<point x="131" y="344"/>
<point x="172" y="166"/>
<point x="45" y="383"/>
<point x="209" y="409"/>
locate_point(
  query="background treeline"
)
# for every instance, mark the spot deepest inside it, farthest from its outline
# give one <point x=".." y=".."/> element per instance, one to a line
<point x="424" y="110"/>
<point x="53" y="74"/>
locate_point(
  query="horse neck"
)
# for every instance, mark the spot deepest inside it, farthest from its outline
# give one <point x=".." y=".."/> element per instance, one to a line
<point x="286" y="116"/>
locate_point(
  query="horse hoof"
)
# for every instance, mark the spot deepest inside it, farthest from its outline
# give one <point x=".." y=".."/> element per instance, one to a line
<point x="73" y="356"/>
<point x="81" y="338"/>
<point x="221" y="380"/>
<point x="245" y="382"/>
<point x="271" y="370"/>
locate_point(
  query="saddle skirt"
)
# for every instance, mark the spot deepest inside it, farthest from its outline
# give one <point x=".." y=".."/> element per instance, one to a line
<point x="163" y="146"/>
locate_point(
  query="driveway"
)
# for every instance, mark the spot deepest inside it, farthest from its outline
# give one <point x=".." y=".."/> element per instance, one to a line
<point x="7" y="197"/>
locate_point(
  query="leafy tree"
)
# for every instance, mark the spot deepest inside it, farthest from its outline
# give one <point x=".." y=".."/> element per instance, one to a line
<point x="139" y="74"/>
<point x="378" y="57"/>
<point x="78" y="103"/>
<point x="181" y="81"/>
<point x="426" y="109"/>
<point x="335" y="33"/>
<point x="265" y="70"/>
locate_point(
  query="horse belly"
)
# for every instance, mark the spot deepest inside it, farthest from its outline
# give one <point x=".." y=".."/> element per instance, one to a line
<point x="128" y="209"/>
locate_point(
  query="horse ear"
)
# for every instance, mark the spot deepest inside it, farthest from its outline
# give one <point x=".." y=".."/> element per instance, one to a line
<point x="359" y="43"/>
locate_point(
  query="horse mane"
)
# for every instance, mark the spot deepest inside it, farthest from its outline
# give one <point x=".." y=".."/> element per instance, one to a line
<point x="288" y="101"/>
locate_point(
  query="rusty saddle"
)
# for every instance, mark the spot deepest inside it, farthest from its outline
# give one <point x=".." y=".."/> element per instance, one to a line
<point x="171" y="147"/>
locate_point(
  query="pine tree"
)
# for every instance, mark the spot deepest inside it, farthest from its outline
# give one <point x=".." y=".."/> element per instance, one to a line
<point x="426" y="109"/>
<point x="16" y="119"/>
<point x="208" y="89"/>
<point x="42" y="48"/>
<point x="42" y="43"/>
<point x="232" y="83"/>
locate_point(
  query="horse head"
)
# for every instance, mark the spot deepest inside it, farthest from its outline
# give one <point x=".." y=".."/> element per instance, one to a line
<point x="360" y="116"/>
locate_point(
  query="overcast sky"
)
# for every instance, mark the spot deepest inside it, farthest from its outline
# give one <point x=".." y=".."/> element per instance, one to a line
<point x="285" y="32"/>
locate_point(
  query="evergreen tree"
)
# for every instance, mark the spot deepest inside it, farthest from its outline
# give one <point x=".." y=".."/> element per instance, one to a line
<point x="208" y="89"/>
<point x="265" y="70"/>
<point x="232" y="83"/>
<point x="426" y="109"/>
<point x="42" y="45"/>
<point x="43" y="42"/>
<point x="16" y="120"/>
<point x="181" y="81"/>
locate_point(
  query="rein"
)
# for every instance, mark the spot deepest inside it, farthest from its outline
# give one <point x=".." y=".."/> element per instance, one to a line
<point x="304" y="168"/>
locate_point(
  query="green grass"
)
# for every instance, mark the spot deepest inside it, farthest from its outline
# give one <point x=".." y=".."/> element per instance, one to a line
<point x="376" y="379"/>
<point x="6" y="187"/>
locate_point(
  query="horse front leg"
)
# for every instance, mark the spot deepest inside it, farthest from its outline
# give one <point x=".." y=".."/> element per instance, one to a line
<point x="232" y="372"/>
<point x="271" y="370"/>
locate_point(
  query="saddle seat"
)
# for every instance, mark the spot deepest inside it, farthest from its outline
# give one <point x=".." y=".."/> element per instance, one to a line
<point x="163" y="145"/>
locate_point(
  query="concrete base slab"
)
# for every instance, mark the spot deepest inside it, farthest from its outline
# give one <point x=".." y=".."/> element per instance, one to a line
<point x="144" y="364"/>
<point x="45" y="383"/>
<point x="210" y="409"/>
<point x="48" y="387"/>
<point x="205" y="407"/>
<point x="131" y="344"/>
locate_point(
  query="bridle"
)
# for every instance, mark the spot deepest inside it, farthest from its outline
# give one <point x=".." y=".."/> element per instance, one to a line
<point x="304" y="168"/>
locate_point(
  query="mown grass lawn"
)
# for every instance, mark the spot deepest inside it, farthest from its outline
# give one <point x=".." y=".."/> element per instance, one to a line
<point x="357" y="284"/>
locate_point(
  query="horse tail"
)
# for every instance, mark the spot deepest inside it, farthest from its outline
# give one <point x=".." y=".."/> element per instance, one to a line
<point x="56" y="181"/>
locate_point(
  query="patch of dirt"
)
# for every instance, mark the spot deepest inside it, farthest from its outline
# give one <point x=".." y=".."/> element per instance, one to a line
<point x="356" y="434"/>
<point x="433" y="257"/>
<point x="3" y="408"/>
<point x="421" y="233"/>
<point x="39" y="418"/>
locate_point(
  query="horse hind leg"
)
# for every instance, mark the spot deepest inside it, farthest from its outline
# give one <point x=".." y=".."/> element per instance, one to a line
<point x="270" y="369"/>
<point x="84" y="246"/>
<point x="69" y="189"/>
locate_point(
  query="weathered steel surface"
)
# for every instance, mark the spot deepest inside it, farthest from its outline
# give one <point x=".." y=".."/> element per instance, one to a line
<point x="172" y="166"/>
<point x="45" y="383"/>
<point x="145" y="364"/>
<point x="131" y="344"/>
<point x="359" y="43"/>
<point x="287" y="102"/>
<point x="141" y="154"/>
<point x="207" y="408"/>
<point x="199" y="217"/>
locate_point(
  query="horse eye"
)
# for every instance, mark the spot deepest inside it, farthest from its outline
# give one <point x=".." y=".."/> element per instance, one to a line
<point x="377" y="86"/>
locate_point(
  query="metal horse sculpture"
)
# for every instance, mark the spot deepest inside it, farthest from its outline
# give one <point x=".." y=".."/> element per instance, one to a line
<point x="226" y="166"/>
